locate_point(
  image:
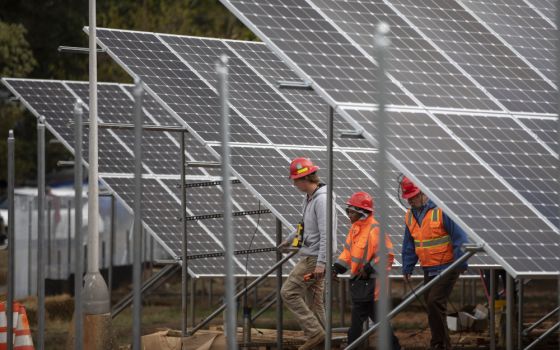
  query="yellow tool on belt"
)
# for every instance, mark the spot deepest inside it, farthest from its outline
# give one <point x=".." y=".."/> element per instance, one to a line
<point x="298" y="240"/>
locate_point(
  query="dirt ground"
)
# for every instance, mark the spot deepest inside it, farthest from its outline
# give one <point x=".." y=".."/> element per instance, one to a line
<point x="162" y="311"/>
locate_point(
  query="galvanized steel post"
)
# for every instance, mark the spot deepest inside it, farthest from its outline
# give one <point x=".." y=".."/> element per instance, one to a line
<point x="78" y="237"/>
<point x="41" y="234"/>
<point x="11" y="240"/>
<point x="330" y="230"/>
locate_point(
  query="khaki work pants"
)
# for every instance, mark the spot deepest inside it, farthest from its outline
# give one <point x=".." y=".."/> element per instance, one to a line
<point x="305" y="299"/>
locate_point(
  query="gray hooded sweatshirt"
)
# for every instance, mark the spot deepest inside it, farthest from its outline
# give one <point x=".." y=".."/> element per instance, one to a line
<point x="315" y="226"/>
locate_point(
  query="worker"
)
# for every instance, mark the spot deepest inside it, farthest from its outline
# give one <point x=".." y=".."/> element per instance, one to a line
<point x="432" y="238"/>
<point x="360" y="256"/>
<point x="304" y="296"/>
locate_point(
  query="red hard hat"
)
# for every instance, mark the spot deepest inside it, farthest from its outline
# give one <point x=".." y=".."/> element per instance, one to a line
<point x="301" y="167"/>
<point x="408" y="188"/>
<point x="361" y="200"/>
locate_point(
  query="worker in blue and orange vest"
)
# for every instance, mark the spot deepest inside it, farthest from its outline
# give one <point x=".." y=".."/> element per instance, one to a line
<point x="432" y="238"/>
<point x="360" y="257"/>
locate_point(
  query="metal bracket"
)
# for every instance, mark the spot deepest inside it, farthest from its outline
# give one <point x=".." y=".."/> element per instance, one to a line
<point x="352" y="134"/>
<point x="75" y="49"/>
<point x="294" y="85"/>
<point x="219" y="215"/>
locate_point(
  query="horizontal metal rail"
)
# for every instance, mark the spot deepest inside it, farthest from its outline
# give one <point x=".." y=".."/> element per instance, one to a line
<point x="235" y="213"/>
<point x="208" y="183"/>
<point x="544" y="318"/>
<point x="149" y="284"/>
<point x="150" y="127"/>
<point x="470" y="251"/>
<point x="253" y="284"/>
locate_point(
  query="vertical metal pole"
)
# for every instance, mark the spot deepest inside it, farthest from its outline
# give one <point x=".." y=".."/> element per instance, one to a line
<point x="381" y="43"/>
<point x="510" y="301"/>
<point x="463" y="292"/>
<point x="279" y="302"/>
<point x="492" y="307"/>
<point x="41" y="234"/>
<point x="137" y="237"/>
<point x="69" y="238"/>
<point x="222" y="71"/>
<point x="93" y="188"/>
<point x="184" y="246"/>
<point x="78" y="237"/>
<point x="473" y="291"/>
<point x="49" y="234"/>
<point x="96" y="293"/>
<point x="330" y="230"/>
<point x="192" y="301"/>
<point x="112" y="246"/>
<point x="341" y="302"/>
<point x="29" y="248"/>
<point x="11" y="240"/>
<point x="520" y="302"/>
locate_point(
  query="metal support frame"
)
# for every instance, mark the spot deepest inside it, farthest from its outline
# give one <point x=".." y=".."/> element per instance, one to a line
<point x="40" y="233"/>
<point x="279" y="301"/>
<point x="124" y="126"/>
<point x="29" y="246"/>
<point x="184" y="246"/>
<point x="78" y="237"/>
<point x="540" y="321"/>
<point x="294" y="85"/>
<point x="192" y="300"/>
<point x="137" y="238"/>
<point x="221" y="215"/>
<point x="151" y="283"/>
<point x="112" y="247"/>
<point x="510" y="301"/>
<point x="75" y="49"/>
<point x="210" y="183"/>
<point x="11" y="240"/>
<point x="543" y="336"/>
<point x="228" y="238"/>
<point x="492" y="307"/>
<point x="330" y="229"/>
<point x="256" y="282"/>
<point x="381" y="44"/>
<point x="520" y="301"/>
<point x="470" y="251"/>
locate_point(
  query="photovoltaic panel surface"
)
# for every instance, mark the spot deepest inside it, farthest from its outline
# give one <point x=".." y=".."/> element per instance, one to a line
<point x="473" y="196"/>
<point x="161" y="198"/>
<point x="518" y="24"/>
<point x="481" y="54"/>
<point x="317" y="48"/>
<point x="413" y="61"/>
<point x="507" y="147"/>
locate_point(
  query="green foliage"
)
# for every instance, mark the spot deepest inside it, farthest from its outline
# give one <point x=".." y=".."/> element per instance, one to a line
<point x="16" y="57"/>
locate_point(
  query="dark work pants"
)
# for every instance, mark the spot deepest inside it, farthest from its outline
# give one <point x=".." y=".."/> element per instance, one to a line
<point x="361" y="311"/>
<point x="436" y="301"/>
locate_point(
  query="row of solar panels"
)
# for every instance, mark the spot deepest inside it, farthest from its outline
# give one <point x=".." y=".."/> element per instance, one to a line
<point x="492" y="170"/>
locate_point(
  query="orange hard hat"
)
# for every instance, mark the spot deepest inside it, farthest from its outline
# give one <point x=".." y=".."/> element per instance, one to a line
<point x="408" y="188"/>
<point x="301" y="167"/>
<point x="361" y="200"/>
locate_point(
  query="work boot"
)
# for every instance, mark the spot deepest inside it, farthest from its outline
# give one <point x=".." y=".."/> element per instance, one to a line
<point x="313" y="341"/>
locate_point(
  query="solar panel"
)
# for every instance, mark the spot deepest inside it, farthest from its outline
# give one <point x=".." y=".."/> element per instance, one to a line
<point x="481" y="54"/>
<point x="520" y="26"/>
<point x="315" y="47"/>
<point x="470" y="193"/>
<point x="413" y="61"/>
<point x="546" y="8"/>
<point x="545" y="128"/>
<point x="507" y="147"/>
<point x="161" y="208"/>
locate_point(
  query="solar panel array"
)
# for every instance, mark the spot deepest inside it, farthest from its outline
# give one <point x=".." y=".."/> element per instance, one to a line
<point x="472" y="98"/>
<point x="161" y="195"/>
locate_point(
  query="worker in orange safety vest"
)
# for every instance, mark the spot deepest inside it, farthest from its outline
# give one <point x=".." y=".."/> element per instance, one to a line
<point x="432" y="238"/>
<point x="359" y="256"/>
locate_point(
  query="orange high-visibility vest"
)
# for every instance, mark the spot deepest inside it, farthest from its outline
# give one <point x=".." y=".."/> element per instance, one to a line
<point x="362" y="234"/>
<point x="432" y="243"/>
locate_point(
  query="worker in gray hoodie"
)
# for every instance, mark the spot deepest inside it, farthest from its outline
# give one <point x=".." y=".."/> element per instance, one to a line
<point x="303" y="291"/>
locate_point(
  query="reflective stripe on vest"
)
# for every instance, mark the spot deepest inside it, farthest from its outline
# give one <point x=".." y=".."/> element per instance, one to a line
<point x="428" y="243"/>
